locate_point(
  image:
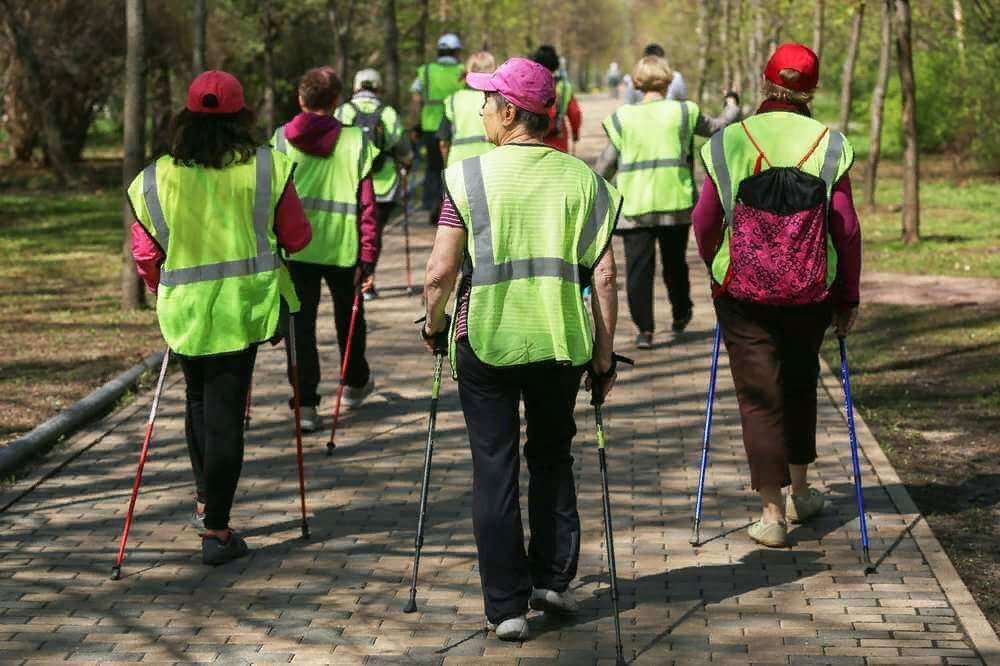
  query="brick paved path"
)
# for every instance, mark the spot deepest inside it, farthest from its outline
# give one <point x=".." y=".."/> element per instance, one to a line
<point x="337" y="598"/>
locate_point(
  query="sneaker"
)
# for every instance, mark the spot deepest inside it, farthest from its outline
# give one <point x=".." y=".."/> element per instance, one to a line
<point x="198" y="520"/>
<point x="800" y="508"/>
<point x="215" y="552"/>
<point x="310" y="419"/>
<point x="555" y="603"/>
<point x="355" y="395"/>
<point x="644" y="341"/>
<point x="370" y="294"/>
<point x="681" y="322"/>
<point x="514" y="629"/>
<point x="774" y="535"/>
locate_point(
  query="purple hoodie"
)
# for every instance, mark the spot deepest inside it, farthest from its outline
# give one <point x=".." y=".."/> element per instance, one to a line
<point x="317" y="135"/>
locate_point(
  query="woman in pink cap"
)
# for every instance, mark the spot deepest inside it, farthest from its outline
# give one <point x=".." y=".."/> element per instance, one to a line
<point x="777" y="227"/>
<point x="522" y="332"/>
<point x="209" y="219"/>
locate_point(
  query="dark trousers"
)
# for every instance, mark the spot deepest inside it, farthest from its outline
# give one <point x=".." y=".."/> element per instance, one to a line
<point x="383" y="211"/>
<point x="774" y="357"/>
<point x="490" y="398"/>
<point x="433" y="183"/>
<point x="640" y="266"/>
<point x="217" y="388"/>
<point x="308" y="279"/>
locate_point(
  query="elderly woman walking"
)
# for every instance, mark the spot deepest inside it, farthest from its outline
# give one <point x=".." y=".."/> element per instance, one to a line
<point x="651" y="146"/>
<point x="777" y="227"/>
<point x="462" y="134"/>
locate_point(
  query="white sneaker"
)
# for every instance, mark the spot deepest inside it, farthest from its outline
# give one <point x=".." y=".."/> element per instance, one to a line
<point x="514" y="629"/>
<point x="355" y="395"/>
<point x="550" y="601"/>
<point x="310" y="419"/>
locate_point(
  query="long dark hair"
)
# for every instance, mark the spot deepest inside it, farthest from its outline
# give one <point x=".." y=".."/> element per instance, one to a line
<point x="214" y="140"/>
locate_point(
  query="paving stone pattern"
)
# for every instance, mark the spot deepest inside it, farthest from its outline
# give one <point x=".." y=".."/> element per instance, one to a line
<point x="337" y="598"/>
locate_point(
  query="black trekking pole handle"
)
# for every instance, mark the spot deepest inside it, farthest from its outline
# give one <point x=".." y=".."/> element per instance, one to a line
<point x="597" y="381"/>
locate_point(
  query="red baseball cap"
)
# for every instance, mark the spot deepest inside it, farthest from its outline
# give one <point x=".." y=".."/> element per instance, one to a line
<point x="524" y="83"/>
<point x="215" y="91"/>
<point x="796" y="57"/>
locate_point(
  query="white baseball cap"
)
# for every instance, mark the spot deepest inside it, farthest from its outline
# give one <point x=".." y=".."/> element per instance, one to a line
<point x="370" y="76"/>
<point x="449" y="42"/>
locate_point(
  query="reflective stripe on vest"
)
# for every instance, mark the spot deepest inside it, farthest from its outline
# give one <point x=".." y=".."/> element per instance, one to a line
<point x="265" y="259"/>
<point x="685" y="138"/>
<point x="315" y="203"/>
<point x="468" y="136"/>
<point x="487" y="271"/>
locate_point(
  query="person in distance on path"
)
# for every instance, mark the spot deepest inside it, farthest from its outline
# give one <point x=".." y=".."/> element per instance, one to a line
<point x="651" y="147"/>
<point x="333" y="176"/>
<point x="210" y="217"/>
<point x="777" y="227"/>
<point x="462" y="134"/>
<point x="565" y="117"/>
<point x="384" y="129"/>
<point x="521" y="331"/>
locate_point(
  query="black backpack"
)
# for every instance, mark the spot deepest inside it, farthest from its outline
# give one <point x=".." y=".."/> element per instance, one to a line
<point x="374" y="129"/>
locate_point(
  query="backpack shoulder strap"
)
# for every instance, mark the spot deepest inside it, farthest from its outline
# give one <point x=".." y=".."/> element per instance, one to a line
<point x="760" y="153"/>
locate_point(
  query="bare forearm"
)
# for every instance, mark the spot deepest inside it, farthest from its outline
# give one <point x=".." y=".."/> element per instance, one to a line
<point x="437" y="290"/>
<point x="445" y="147"/>
<point x="605" y="308"/>
<point x="707" y="125"/>
<point x="415" y="111"/>
<point x="442" y="272"/>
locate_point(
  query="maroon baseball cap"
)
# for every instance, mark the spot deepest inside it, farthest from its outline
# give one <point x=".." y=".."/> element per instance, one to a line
<point x="215" y="91"/>
<point x="524" y="83"/>
<point x="796" y="57"/>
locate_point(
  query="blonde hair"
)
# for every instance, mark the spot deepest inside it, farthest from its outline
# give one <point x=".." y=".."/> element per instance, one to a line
<point x="652" y="74"/>
<point x="480" y="63"/>
<point x="773" y="91"/>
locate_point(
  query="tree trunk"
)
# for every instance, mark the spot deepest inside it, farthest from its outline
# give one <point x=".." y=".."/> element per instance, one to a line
<point x="959" y="16"/>
<point x="37" y="93"/>
<point x="755" y="45"/>
<point x="704" y="44"/>
<point x="818" y="29"/>
<point x="391" y="53"/>
<point x="200" y="17"/>
<point x="425" y="9"/>
<point x="162" y="106"/>
<point x="739" y="64"/>
<point x="269" y="94"/>
<point x="878" y="105"/>
<point x="911" y="157"/>
<point x="133" y="296"/>
<point x="341" y="18"/>
<point x="727" y="69"/>
<point x="847" y="78"/>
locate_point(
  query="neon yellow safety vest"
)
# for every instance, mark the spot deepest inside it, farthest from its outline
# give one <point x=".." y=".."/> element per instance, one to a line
<point x="328" y="188"/>
<point x="536" y="219"/>
<point x="785" y="138"/>
<point x="386" y="179"/>
<point x="221" y="280"/>
<point x="468" y="135"/>
<point x="564" y="93"/>
<point x="437" y="81"/>
<point x="655" y="144"/>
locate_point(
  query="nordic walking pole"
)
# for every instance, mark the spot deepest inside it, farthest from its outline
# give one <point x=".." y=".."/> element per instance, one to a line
<point x="597" y="399"/>
<point x="695" y="539"/>
<point x="849" y="405"/>
<point x="406" y="230"/>
<point x="297" y="399"/>
<point x="116" y="570"/>
<point x="411" y="605"/>
<point x="331" y="445"/>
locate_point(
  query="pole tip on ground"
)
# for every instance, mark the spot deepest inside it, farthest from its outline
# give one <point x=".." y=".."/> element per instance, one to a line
<point x="305" y="531"/>
<point x="410" y="607"/>
<point x="116" y="572"/>
<point x="330" y="446"/>
<point x="621" y="660"/>
<point x="694" y="541"/>
<point x="870" y="569"/>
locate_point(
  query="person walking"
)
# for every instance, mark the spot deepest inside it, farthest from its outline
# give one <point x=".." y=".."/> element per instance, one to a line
<point x="333" y="175"/>
<point x="462" y="134"/>
<point x="613" y="79"/>
<point x="564" y="116"/>
<point x="435" y="81"/>
<point x="521" y="332"/>
<point x="777" y="227"/>
<point x="677" y="90"/>
<point x="209" y="219"/>
<point x="651" y="147"/>
<point x="384" y="129"/>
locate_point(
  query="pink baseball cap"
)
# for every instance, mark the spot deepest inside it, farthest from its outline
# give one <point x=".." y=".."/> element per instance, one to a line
<point x="524" y="83"/>
<point x="215" y="91"/>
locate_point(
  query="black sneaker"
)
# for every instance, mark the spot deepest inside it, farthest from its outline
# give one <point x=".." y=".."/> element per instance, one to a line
<point x="644" y="341"/>
<point x="681" y="321"/>
<point x="215" y="552"/>
<point x="370" y="294"/>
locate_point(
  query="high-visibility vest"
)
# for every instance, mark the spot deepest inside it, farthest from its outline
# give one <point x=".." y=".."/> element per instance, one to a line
<point x="437" y="81"/>
<point x="386" y="178"/>
<point x="564" y="93"/>
<point x="220" y="281"/>
<point x="785" y="138"/>
<point x="328" y="188"/>
<point x="468" y="135"/>
<point x="536" y="219"/>
<point x="655" y="144"/>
